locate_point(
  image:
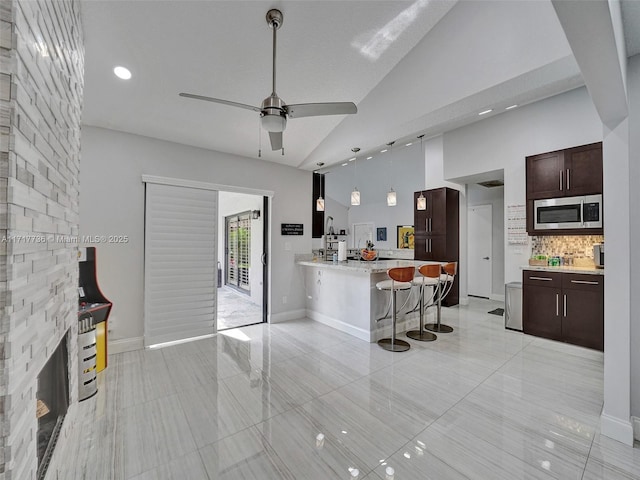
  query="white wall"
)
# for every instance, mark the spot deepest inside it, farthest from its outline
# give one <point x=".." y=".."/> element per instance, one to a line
<point x="503" y="141"/>
<point x="479" y="195"/>
<point x="112" y="202"/>
<point x="633" y="84"/>
<point x="231" y="204"/>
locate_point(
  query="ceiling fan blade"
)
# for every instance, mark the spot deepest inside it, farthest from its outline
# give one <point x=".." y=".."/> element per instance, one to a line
<point x="276" y="140"/>
<point x="218" y="100"/>
<point x="318" y="109"/>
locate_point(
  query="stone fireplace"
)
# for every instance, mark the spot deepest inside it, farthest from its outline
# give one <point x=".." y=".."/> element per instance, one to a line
<point x="52" y="403"/>
<point x="41" y="89"/>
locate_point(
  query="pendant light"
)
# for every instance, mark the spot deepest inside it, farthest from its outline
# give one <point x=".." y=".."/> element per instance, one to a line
<point x="392" y="198"/>
<point x="421" y="202"/>
<point x="320" y="200"/>
<point x="355" y="195"/>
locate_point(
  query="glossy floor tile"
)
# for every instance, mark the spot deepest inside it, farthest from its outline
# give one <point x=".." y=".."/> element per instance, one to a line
<point x="235" y="309"/>
<point x="299" y="400"/>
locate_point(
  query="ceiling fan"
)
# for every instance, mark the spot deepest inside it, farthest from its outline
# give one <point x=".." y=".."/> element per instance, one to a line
<point x="274" y="111"/>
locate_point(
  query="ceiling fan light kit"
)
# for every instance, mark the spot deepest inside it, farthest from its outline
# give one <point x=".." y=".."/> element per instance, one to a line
<point x="274" y="112"/>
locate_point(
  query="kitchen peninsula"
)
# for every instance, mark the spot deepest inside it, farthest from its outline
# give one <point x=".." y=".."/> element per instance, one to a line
<point x="344" y="296"/>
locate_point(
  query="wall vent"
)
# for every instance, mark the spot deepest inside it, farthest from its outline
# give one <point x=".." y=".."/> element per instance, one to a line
<point x="492" y="183"/>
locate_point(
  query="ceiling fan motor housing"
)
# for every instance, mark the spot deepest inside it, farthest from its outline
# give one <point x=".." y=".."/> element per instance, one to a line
<point x="273" y="116"/>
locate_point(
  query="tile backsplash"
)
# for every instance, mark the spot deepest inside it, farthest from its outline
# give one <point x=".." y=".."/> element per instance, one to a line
<point x="580" y="246"/>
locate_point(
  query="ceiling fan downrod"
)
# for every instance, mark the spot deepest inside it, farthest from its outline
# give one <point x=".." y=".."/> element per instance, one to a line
<point x="274" y="19"/>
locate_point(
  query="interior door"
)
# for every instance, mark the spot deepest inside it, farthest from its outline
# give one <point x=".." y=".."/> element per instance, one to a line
<point x="479" y="224"/>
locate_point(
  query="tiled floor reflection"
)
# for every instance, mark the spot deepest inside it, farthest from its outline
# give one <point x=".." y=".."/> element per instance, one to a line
<point x="301" y="401"/>
<point x="235" y="309"/>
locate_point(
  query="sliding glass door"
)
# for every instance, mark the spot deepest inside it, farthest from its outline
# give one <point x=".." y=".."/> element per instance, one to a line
<point x="238" y="251"/>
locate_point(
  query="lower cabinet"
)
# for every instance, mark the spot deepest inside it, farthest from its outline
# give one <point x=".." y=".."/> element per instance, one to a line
<point x="564" y="306"/>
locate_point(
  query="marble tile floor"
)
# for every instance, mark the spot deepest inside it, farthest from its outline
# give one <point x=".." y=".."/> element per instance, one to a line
<point x="235" y="309"/>
<point x="299" y="400"/>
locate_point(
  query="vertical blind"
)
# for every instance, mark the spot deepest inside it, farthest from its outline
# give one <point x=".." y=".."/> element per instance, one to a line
<point x="180" y="262"/>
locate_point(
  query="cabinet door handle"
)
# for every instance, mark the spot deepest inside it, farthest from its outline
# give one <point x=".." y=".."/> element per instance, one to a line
<point x="561" y="172"/>
<point x="557" y="306"/>
<point x="429" y="225"/>
<point x="568" y="182"/>
<point x="585" y="282"/>
<point x="429" y="245"/>
<point x="426" y="224"/>
<point x="546" y="279"/>
<point x="565" y="305"/>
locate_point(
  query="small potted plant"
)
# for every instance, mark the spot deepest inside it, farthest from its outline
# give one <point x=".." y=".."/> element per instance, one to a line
<point x="369" y="253"/>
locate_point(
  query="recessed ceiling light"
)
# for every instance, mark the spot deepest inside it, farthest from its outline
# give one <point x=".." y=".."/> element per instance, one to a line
<point x="352" y="159"/>
<point x="512" y="106"/>
<point x="409" y="144"/>
<point x="486" y="111"/>
<point x="369" y="158"/>
<point x="382" y="151"/>
<point x="122" y="73"/>
<point x="345" y="164"/>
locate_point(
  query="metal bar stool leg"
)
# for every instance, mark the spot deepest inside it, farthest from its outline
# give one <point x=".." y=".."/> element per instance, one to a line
<point x="421" y="335"/>
<point x="442" y="292"/>
<point x="400" y="278"/>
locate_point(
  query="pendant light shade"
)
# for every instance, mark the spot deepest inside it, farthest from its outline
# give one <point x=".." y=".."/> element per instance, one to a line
<point x="320" y="200"/>
<point x="355" y="195"/>
<point x="391" y="198"/>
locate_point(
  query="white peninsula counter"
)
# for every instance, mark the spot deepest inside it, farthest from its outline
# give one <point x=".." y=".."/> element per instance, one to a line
<point x="344" y="296"/>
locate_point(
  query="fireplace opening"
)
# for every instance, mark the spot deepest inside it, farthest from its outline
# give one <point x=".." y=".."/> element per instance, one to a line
<point x="52" y="403"/>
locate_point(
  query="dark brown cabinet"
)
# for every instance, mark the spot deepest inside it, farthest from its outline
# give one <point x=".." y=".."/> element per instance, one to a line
<point x="564" y="306"/>
<point x="565" y="173"/>
<point x="436" y="234"/>
<point x="570" y="172"/>
<point x="583" y="310"/>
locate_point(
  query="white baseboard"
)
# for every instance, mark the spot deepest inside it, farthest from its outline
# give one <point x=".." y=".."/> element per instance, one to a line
<point x="286" y="316"/>
<point x="616" y="428"/>
<point x="497" y="297"/>
<point x="125" y="345"/>
<point x="405" y="323"/>
<point x="357" y="332"/>
<point x="636" y="428"/>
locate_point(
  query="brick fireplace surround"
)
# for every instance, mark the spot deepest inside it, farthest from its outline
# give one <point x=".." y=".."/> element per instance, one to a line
<point x="41" y="89"/>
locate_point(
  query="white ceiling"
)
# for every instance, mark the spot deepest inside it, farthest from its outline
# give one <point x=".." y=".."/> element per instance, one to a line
<point x="445" y="61"/>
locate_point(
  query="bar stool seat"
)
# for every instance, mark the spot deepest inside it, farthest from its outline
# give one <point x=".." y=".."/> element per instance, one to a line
<point x="430" y="278"/>
<point x="447" y="277"/>
<point x="399" y="279"/>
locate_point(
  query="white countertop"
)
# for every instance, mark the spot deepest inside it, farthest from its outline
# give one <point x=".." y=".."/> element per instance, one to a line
<point x="565" y="269"/>
<point x="377" y="266"/>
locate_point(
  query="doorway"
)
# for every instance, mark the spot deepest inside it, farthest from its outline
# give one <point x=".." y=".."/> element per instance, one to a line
<point x="479" y="225"/>
<point x="242" y="246"/>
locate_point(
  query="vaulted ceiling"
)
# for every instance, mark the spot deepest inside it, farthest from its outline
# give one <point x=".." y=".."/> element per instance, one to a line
<point x="412" y="67"/>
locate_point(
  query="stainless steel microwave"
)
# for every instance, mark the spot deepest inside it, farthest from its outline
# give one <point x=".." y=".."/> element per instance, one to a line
<point x="568" y="212"/>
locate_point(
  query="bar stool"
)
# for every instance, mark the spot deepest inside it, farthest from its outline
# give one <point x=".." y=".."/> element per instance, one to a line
<point x="447" y="276"/>
<point x="399" y="279"/>
<point x="430" y="278"/>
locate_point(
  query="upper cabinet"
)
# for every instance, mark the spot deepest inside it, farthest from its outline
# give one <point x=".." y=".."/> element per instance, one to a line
<point x="553" y="179"/>
<point x="565" y="173"/>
